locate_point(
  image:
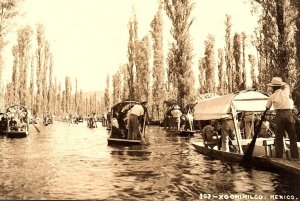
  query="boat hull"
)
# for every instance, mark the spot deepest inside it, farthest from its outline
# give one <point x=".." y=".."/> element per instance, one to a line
<point x="262" y="162"/>
<point x="16" y="134"/>
<point x="186" y="133"/>
<point x="182" y="133"/>
<point x="123" y="142"/>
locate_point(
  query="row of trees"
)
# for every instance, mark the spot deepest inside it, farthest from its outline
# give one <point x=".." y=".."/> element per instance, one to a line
<point x="41" y="93"/>
<point x="274" y="40"/>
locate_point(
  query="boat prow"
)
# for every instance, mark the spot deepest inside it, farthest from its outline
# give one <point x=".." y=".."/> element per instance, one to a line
<point x="215" y="153"/>
<point x="16" y="134"/>
<point x="123" y="142"/>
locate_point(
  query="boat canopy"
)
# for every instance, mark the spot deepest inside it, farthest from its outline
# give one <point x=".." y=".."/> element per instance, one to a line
<point x="221" y="106"/>
<point x="18" y="111"/>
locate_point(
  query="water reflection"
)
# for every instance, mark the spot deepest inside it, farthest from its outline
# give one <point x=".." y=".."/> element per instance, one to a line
<point x="73" y="162"/>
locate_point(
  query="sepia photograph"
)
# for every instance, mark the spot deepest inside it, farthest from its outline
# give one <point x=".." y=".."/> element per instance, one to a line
<point x="149" y="100"/>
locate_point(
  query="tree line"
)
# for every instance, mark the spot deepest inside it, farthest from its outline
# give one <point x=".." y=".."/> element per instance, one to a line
<point x="275" y="41"/>
<point x="32" y="82"/>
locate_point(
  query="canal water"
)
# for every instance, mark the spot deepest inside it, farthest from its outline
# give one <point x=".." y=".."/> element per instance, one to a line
<point x="74" y="162"/>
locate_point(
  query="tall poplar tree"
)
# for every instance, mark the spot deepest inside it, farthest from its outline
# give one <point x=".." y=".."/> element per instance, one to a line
<point x="117" y="92"/>
<point x="67" y="102"/>
<point x="159" y="90"/>
<point x="125" y="88"/>
<point x="9" y="10"/>
<point x="31" y="87"/>
<point x="24" y="45"/>
<point x="179" y="12"/>
<point x="107" y="95"/>
<point x="202" y="76"/>
<point x="40" y="38"/>
<point x="276" y="41"/>
<point x="252" y="62"/>
<point x="221" y="72"/>
<point x="142" y="69"/>
<point x="238" y="82"/>
<point x="210" y="64"/>
<point x="228" y="53"/>
<point x="133" y="26"/>
<point x="15" y="76"/>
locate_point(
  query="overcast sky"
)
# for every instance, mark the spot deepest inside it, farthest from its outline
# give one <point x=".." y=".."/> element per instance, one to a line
<point x="89" y="37"/>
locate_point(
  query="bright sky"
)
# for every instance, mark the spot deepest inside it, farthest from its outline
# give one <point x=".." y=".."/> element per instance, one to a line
<point x="89" y="37"/>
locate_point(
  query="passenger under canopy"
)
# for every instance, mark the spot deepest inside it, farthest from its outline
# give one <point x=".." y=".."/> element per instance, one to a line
<point x="228" y="106"/>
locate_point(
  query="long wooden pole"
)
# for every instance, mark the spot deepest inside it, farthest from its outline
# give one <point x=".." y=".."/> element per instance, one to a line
<point x="144" y="124"/>
<point x="246" y="161"/>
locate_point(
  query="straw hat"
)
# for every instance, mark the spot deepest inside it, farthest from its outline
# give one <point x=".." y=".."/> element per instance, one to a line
<point x="176" y="107"/>
<point x="276" y="81"/>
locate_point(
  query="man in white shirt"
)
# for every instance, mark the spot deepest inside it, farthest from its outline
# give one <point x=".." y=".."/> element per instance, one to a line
<point x="133" y="122"/>
<point x="280" y="99"/>
<point x="176" y="114"/>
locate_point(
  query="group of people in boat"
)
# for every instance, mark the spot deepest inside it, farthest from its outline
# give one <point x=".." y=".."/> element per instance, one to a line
<point x="283" y="123"/>
<point x="11" y="124"/>
<point x="106" y="119"/>
<point x="91" y="120"/>
<point x="175" y="119"/>
<point x="130" y="123"/>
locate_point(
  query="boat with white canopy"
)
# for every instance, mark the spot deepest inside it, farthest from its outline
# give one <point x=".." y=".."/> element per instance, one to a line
<point x="229" y="107"/>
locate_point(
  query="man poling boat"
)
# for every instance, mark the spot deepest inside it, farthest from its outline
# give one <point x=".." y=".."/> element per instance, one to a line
<point x="128" y="121"/>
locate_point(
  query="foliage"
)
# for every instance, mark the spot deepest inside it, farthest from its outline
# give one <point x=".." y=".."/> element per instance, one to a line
<point x="107" y="94"/>
<point x="159" y="90"/>
<point x="228" y="53"/>
<point x="209" y="63"/>
<point x="142" y="69"/>
<point x="180" y="53"/>
<point x="221" y="73"/>
<point x="131" y="56"/>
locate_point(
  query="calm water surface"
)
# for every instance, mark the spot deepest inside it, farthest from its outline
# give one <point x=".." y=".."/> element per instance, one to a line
<point x="74" y="162"/>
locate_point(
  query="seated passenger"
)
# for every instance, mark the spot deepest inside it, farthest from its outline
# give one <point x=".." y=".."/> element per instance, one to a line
<point x="116" y="132"/>
<point x="13" y="124"/>
<point x="210" y="133"/>
<point x="22" y="125"/>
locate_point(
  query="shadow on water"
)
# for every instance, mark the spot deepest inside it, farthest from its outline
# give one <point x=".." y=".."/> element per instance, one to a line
<point x="74" y="162"/>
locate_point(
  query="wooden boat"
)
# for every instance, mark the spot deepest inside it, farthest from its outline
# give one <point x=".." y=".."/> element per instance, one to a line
<point x="123" y="142"/>
<point x="181" y="133"/>
<point x="3" y="123"/>
<point x="16" y="134"/>
<point x="227" y="107"/>
<point x="260" y="161"/>
<point x="118" y="130"/>
<point x="17" y="122"/>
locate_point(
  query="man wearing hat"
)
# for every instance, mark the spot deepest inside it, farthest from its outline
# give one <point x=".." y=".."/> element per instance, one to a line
<point x="176" y="113"/>
<point x="133" y="122"/>
<point x="283" y="105"/>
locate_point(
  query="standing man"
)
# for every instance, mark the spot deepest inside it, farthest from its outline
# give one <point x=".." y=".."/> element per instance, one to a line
<point x="280" y="99"/>
<point x="176" y="113"/>
<point x="133" y="122"/>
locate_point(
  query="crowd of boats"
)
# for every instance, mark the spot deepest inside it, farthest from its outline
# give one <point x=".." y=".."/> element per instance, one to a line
<point x="226" y="125"/>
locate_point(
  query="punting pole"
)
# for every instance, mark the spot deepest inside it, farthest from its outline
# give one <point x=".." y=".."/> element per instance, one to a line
<point x="237" y="129"/>
<point x="144" y="124"/>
